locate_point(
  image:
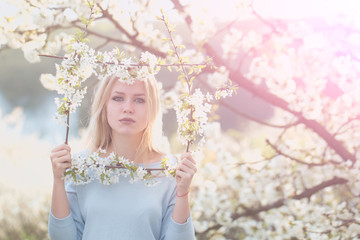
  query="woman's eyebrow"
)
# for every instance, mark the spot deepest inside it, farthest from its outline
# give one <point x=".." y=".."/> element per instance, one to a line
<point x="122" y="93"/>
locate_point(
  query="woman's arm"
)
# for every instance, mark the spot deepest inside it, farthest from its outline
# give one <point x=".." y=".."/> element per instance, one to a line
<point x="184" y="174"/>
<point x="181" y="210"/>
<point x="64" y="224"/>
<point x="177" y="223"/>
<point x="61" y="160"/>
<point x="59" y="204"/>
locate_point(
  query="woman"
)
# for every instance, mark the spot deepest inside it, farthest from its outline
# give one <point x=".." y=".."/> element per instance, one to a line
<point x="125" y="120"/>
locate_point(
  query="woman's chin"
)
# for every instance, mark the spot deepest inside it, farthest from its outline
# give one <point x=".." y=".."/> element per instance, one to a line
<point x="128" y="132"/>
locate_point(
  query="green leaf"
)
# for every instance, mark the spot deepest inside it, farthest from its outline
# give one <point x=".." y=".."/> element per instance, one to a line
<point x="191" y="70"/>
<point x="83" y="20"/>
<point x="73" y="176"/>
<point x="117" y="50"/>
<point x="102" y="177"/>
<point x="181" y="77"/>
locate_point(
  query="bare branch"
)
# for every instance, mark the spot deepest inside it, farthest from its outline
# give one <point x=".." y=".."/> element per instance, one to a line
<point x="338" y="131"/>
<point x="104" y="36"/>
<point x="102" y="45"/>
<point x="181" y="9"/>
<point x="295" y="159"/>
<point x="228" y="106"/>
<point x="132" y="38"/>
<point x="261" y="19"/>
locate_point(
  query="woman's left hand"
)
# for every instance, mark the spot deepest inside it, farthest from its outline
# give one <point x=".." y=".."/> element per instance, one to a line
<point x="185" y="171"/>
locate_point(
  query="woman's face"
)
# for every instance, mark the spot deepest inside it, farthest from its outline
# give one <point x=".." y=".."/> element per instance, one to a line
<point x="126" y="108"/>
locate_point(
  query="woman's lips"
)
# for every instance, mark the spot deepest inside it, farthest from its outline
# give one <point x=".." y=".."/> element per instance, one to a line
<point x="127" y="120"/>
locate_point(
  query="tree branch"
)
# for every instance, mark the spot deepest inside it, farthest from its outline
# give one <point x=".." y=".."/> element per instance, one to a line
<point x="244" y="115"/>
<point x="274" y="100"/>
<point x="181" y="9"/>
<point x="295" y="159"/>
<point x="103" y="36"/>
<point x="305" y="194"/>
<point x="132" y="38"/>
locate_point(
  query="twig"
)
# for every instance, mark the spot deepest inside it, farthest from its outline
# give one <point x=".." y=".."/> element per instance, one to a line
<point x="149" y="170"/>
<point x="295" y="159"/>
<point x="67" y="126"/>
<point x="188" y="82"/>
<point x="133" y="38"/>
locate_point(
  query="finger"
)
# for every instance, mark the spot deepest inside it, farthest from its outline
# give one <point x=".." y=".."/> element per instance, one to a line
<point x="64" y="165"/>
<point x="188" y="163"/>
<point x="182" y="175"/>
<point x="67" y="165"/>
<point x="186" y="169"/>
<point x="185" y="155"/>
<point x="63" y="159"/>
<point x="188" y="156"/>
<point x="62" y="147"/>
<point x="59" y="154"/>
<point x="60" y="168"/>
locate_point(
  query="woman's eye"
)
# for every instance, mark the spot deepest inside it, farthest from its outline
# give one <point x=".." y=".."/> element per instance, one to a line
<point x="117" y="99"/>
<point x="140" y="100"/>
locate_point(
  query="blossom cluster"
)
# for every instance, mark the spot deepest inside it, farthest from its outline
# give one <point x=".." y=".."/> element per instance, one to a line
<point x="76" y="67"/>
<point x="192" y="110"/>
<point x="239" y="174"/>
<point x="86" y="168"/>
<point x="126" y="69"/>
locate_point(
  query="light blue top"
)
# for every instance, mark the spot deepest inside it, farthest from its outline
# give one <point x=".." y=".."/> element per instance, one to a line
<point x="123" y="211"/>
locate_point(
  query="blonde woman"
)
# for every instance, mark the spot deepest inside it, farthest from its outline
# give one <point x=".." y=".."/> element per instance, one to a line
<point x="125" y="120"/>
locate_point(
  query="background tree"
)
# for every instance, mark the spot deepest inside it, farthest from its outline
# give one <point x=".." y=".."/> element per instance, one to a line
<point x="284" y="164"/>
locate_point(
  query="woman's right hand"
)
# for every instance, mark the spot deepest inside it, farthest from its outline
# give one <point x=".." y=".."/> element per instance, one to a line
<point x="61" y="160"/>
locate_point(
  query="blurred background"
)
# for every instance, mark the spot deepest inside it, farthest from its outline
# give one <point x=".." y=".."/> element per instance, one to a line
<point x="291" y="126"/>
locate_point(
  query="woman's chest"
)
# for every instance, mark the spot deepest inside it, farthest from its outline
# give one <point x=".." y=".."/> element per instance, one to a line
<point x="125" y="200"/>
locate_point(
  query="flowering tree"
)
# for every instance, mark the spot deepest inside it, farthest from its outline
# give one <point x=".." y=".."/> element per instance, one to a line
<point x="294" y="176"/>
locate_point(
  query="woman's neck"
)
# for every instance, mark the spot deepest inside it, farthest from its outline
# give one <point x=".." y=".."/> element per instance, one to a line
<point x="125" y="146"/>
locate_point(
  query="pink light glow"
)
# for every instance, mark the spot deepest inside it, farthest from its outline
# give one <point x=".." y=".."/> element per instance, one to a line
<point x="307" y="8"/>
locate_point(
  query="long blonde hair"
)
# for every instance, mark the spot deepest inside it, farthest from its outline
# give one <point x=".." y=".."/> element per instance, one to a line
<point x="99" y="131"/>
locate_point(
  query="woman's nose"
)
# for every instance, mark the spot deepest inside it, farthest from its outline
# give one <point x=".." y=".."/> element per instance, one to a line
<point x="128" y="107"/>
